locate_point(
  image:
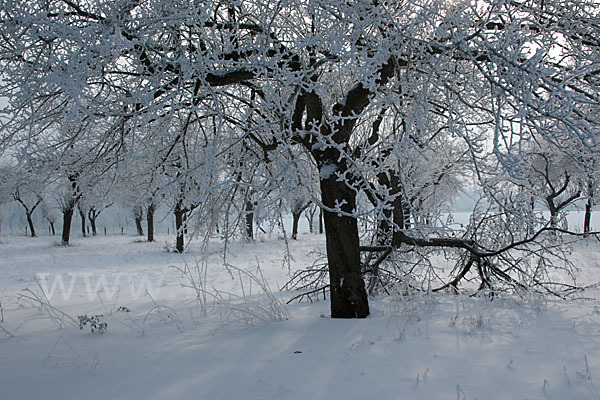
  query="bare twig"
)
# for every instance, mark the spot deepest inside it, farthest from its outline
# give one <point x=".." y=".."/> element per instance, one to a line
<point x="307" y="295"/>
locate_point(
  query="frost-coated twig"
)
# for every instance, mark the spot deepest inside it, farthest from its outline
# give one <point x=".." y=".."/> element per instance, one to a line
<point x="374" y="270"/>
<point x="316" y="275"/>
<point x="165" y="318"/>
<point x="57" y="316"/>
<point x="114" y="305"/>
<point x="196" y="280"/>
<point x="308" y="294"/>
<point x="265" y="307"/>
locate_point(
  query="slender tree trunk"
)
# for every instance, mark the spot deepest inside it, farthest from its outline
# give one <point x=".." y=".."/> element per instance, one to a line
<point x="138" y="225"/>
<point x="249" y="217"/>
<point x="348" y="294"/>
<point x="396" y="216"/>
<point x="28" y="211"/>
<point x="30" y="223"/>
<point x="82" y="215"/>
<point x="69" y="209"/>
<point x="52" y="230"/>
<point x="179" y="228"/>
<point x="310" y="217"/>
<point x="401" y="218"/>
<point x="93" y="223"/>
<point x="93" y="215"/>
<point x="67" y="219"/>
<point x="387" y="233"/>
<point x="320" y="221"/>
<point x="296" y="219"/>
<point x="587" y="220"/>
<point x="384" y="229"/>
<point x="553" y="212"/>
<point x="150" y="221"/>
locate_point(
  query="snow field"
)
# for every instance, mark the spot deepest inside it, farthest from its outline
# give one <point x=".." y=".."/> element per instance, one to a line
<point x="162" y="343"/>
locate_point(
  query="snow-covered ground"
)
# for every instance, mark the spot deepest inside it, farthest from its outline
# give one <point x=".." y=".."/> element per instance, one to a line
<point x="161" y="342"/>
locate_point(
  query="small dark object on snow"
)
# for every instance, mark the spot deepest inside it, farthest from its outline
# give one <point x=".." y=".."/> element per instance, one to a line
<point x="297" y="352"/>
<point x="95" y="325"/>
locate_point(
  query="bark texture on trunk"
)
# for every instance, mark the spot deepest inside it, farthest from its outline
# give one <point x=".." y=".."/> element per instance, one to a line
<point x="67" y="219"/>
<point x="138" y="226"/>
<point x="150" y="221"/>
<point x="69" y="208"/>
<point x="93" y="215"/>
<point x="28" y="211"/>
<point x="348" y="293"/>
<point x="249" y="219"/>
<point x="82" y="215"/>
<point x="179" y="228"/>
<point x="94" y="227"/>
<point x="30" y="223"/>
<point x="320" y="221"/>
<point x="296" y="219"/>
<point x="587" y="220"/>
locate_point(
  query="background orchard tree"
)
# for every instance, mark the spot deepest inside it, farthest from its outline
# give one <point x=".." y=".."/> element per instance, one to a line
<point x="99" y="196"/>
<point x="84" y="163"/>
<point x="51" y="210"/>
<point x="5" y="186"/>
<point x="27" y="188"/>
<point x="590" y="182"/>
<point x="145" y="178"/>
<point x="299" y="187"/>
<point x="592" y="192"/>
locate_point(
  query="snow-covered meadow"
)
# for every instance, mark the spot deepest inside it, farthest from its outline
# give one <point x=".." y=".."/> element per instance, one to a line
<point x="163" y="341"/>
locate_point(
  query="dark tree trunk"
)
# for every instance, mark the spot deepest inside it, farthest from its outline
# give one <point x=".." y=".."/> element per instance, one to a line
<point x="401" y="218"/>
<point x="67" y="219"/>
<point x="555" y="206"/>
<point x="30" y="223"/>
<point x="587" y="220"/>
<point x="249" y="219"/>
<point x="320" y="221"/>
<point x="52" y="229"/>
<point x="553" y="214"/>
<point x="150" y="221"/>
<point x="93" y="223"/>
<point x="384" y="230"/>
<point x="185" y="223"/>
<point x="138" y="225"/>
<point x="82" y="215"/>
<point x="296" y="219"/>
<point x="69" y="209"/>
<point x="348" y="294"/>
<point x="179" y="228"/>
<point x="310" y="217"/>
<point x="28" y="211"/>
<point x="93" y="215"/>
<point x="396" y="215"/>
<point x="297" y="211"/>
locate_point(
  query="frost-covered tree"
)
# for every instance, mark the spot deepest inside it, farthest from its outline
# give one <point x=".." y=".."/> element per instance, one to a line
<point x="51" y="211"/>
<point x="555" y="178"/>
<point x="362" y="86"/>
<point x="27" y="189"/>
<point x="82" y="162"/>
